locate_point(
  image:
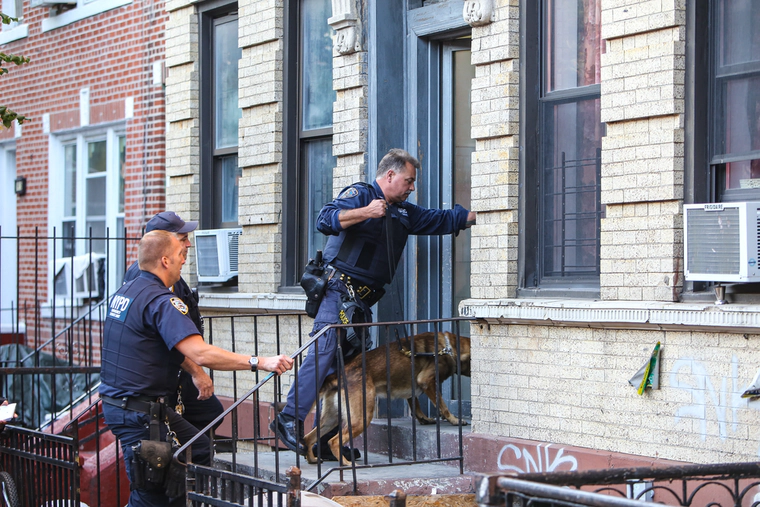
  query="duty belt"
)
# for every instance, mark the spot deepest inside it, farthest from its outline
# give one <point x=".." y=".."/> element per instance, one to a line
<point x="366" y="293"/>
<point x="137" y="403"/>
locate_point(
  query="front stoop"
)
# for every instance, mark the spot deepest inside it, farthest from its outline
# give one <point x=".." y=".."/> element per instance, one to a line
<point x="378" y="479"/>
<point x="426" y="480"/>
<point x="411" y="501"/>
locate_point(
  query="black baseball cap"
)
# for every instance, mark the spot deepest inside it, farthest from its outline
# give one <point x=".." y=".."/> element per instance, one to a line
<point x="170" y="221"/>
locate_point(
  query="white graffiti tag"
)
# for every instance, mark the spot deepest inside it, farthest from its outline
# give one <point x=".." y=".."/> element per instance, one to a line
<point x="541" y="462"/>
<point x="700" y="387"/>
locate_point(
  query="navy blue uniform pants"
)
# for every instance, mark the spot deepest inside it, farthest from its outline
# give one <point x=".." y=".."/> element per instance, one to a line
<point x="321" y="359"/>
<point x="130" y="427"/>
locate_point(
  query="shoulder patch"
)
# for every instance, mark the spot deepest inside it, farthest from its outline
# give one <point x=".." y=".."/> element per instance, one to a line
<point x="179" y="305"/>
<point x="348" y="193"/>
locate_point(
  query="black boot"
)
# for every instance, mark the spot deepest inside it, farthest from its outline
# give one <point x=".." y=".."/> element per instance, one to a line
<point x="322" y="449"/>
<point x="290" y="432"/>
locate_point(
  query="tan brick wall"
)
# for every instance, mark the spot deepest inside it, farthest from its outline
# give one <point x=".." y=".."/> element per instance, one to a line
<point x="260" y="146"/>
<point x="495" y="162"/>
<point x="642" y="103"/>
<point x="569" y="386"/>
<point x="350" y="119"/>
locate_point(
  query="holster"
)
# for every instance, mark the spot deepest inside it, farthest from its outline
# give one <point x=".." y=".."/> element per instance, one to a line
<point x="151" y="464"/>
<point x="153" y="468"/>
<point x="314" y="283"/>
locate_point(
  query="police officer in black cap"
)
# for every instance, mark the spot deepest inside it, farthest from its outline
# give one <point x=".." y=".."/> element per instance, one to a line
<point x="195" y="397"/>
<point x="147" y="336"/>
<point x="368" y="226"/>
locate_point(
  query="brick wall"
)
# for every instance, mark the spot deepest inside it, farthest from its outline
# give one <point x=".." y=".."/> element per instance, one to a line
<point x="642" y="100"/>
<point x="495" y="163"/>
<point x="570" y="386"/>
<point x="113" y="55"/>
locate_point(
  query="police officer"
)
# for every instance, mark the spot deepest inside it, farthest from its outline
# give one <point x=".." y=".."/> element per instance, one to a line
<point x="195" y="392"/>
<point x="147" y="336"/>
<point x="368" y="226"/>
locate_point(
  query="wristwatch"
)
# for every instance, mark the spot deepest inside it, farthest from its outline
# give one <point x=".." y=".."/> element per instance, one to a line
<point x="254" y="362"/>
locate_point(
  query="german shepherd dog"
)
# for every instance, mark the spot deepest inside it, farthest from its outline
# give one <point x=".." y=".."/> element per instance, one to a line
<point x="400" y="366"/>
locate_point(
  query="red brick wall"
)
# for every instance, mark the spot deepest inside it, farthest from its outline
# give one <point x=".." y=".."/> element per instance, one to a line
<point x="112" y="54"/>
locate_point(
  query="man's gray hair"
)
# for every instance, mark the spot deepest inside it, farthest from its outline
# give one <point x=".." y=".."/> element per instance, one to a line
<point x="396" y="160"/>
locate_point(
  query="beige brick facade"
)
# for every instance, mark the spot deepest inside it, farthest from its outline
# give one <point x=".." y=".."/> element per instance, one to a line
<point x="537" y="373"/>
<point x="570" y="386"/>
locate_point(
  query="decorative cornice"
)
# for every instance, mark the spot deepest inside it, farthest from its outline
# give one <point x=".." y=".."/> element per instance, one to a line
<point x="478" y="12"/>
<point x="700" y="317"/>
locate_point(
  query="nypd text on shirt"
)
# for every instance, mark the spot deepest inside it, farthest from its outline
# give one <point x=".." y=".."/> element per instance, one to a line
<point x="118" y="307"/>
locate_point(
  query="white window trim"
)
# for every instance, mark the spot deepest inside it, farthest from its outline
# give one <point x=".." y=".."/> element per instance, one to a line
<point x="56" y="144"/>
<point x="81" y="12"/>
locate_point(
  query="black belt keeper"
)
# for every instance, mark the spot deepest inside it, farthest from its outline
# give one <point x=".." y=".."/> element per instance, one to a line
<point x="156" y="415"/>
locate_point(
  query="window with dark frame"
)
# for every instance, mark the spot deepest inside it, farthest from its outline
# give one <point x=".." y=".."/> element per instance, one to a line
<point x="735" y="100"/>
<point x="566" y="161"/>
<point x="308" y="131"/>
<point x="220" y="116"/>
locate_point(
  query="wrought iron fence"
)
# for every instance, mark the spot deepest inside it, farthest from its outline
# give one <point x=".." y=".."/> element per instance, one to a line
<point x="51" y="318"/>
<point x="728" y="484"/>
<point x="43" y="467"/>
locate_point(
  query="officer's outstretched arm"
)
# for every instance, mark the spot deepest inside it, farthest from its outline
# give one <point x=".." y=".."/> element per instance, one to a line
<point x="209" y="356"/>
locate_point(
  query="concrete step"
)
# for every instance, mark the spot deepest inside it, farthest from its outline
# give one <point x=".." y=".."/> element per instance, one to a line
<point x="381" y="474"/>
<point x="411" y="501"/>
<point x="374" y="478"/>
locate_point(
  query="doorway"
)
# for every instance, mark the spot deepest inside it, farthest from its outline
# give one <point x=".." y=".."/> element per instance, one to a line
<point x="439" y="273"/>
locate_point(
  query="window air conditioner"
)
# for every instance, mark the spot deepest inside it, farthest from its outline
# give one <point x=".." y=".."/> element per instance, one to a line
<point x="80" y="277"/>
<point x="216" y="254"/>
<point x="51" y="3"/>
<point x="720" y="242"/>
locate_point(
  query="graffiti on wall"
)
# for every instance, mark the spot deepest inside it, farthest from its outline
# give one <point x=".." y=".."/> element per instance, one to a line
<point x="543" y="459"/>
<point x="709" y="401"/>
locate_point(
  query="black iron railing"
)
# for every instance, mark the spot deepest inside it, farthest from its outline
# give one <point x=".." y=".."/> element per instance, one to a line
<point x="51" y="319"/>
<point x="262" y="459"/>
<point x="44" y="467"/>
<point x="729" y="484"/>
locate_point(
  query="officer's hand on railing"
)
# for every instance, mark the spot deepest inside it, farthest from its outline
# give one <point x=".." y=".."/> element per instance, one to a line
<point x="276" y="364"/>
<point x="204" y="384"/>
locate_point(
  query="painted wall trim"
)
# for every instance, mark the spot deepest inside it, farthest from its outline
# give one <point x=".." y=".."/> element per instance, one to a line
<point x="703" y="317"/>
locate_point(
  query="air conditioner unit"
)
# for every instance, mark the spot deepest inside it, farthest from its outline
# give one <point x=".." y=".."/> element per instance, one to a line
<point x="216" y="254"/>
<point x="51" y="3"/>
<point x="720" y="242"/>
<point x="79" y="277"/>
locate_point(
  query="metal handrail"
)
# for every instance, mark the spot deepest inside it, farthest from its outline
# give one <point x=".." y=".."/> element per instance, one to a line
<point x="182" y="452"/>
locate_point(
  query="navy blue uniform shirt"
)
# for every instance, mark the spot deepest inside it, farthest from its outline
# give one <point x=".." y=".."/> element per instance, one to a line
<point x="145" y="320"/>
<point x="362" y="250"/>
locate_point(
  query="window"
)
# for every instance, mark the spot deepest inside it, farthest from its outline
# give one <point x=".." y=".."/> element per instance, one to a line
<point x="735" y="100"/>
<point x="564" y="164"/>
<point x="16" y="29"/>
<point x="309" y="105"/>
<point x="220" y="116"/>
<point x="87" y="197"/>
